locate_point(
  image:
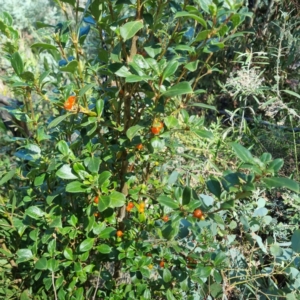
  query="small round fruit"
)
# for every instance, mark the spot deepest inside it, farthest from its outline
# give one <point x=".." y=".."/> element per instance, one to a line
<point x="119" y="233"/>
<point x="197" y="213"/>
<point x="150" y="267"/>
<point x="128" y="208"/>
<point x="142" y="205"/>
<point x="139" y="147"/>
<point x="96" y="199"/>
<point x="141" y="210"/>
<point x="68" y="105"/>
<point x="162" y="264"/>
<point x="155" y="130"/>
<point x="130" y="204"/>
<point x="165" y="218"/>
<point x="202" y="218"/>
<point x="97" y="214"/>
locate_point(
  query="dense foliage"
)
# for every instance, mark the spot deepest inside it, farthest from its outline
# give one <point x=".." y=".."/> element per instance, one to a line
<point x="122" y="181"/>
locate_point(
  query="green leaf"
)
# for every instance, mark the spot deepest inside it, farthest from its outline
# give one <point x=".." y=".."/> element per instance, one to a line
<point x="171" y="122"/>
<point x="133" y="131"/>
<point x="204" y="133"/>
<point x="44" y="46"/>
<point x="220" y="258"/>
<point x="186" y="195"/>
<point x="68" y="253"/>
<point x="292" y="93"/>
<point x="117" y="199"/>
<point x="214" y="187"/>
<point x="281" y="182"/>
<point x="104" y="176"/>
<point x="166" y="201"/>
<point x="129" y="29"/>
<point x="242" y="153"/>
<point x="104" y="249"/>
<point x="192" y="66"/>
<point x="136" y="78"/>
<point x="86" y="88"/>
<point x="170" y="69"/>
<point x="99" y="107"/>
<point x="41" y="264"/>
<point x="202" y="105"/>
<point x="169" y="295"/>
<point x="71" y="67"/>
<point x="53" y="265"/>
<point x="227" y="204"/>
<point x="39" y="180"/>
<point x="104" y="203"/>
<point x="178" y="89"/>
<point x="186" y="14"/>
<point x="107" y="233"/>
<point x="275" y="250"/>
<point x="94" y="164"/>
<point x="63" y="147"/>
<point x="203" y="272"/>
<point x="56" y="223"/>
<point x="57" y="120"/>
<point x="167" y="276"/>
<point x="24" y="255"/>
<point x="34" y="212"/>
<point x="276" y="165"/>
<point x="76" y="187"/>
<point x="216" y="290"/>
<point x="8" y="176"/>
<point x="17" y="63"/>
<point x="86" y="245"/>
<point x="259" y="242"/>
<point x="296" y="241"/>
<point x="65" y="172"/>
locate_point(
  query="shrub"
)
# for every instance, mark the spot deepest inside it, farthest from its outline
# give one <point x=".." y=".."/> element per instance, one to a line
<point x="84" y="211"/>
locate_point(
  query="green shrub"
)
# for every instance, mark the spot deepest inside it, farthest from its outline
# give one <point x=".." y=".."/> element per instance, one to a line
<point x="119" y="192"/>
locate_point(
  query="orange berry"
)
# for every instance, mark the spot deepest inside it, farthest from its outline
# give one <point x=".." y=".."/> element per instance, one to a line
<point x="139" y="147"/>
<point x="96" y="199"/>
<point x="97" y="214"/>
<point x="155" y="130"/>
<point x="119" y="233"/>
<point x="70" y="103"/>
<point x="197" y="213"/>
<point x="165" y="218"/>
<point x="131" y="205"/>
<point x="128" y="208"/>
<point x="142" y="205"/>
<point x="162" y="264"/>
<point x="141" y="210"/>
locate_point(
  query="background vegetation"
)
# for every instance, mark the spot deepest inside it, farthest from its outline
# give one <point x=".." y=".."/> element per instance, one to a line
<point x="153" y="153"/>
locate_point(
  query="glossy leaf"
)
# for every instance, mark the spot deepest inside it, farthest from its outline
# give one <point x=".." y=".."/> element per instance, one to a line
<point x="165" y="200"/>
<point x="86" y="245"/>
<point x="34" y="212"/>
<point x="129" y="29"/>
<point x="178" y="89"/>
<point x="281" y="182"/>
<point x="133" y="131"/>
<point x="17" y="63"/>
<point x="65" y="172"/>
<point x="75" y="187"/>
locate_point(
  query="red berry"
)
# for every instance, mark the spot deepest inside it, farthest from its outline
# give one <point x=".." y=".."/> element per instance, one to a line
<point x="198" y="213"/>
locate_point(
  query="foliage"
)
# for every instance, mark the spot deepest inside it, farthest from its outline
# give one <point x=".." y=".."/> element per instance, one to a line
<point x="103" y="200"/>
